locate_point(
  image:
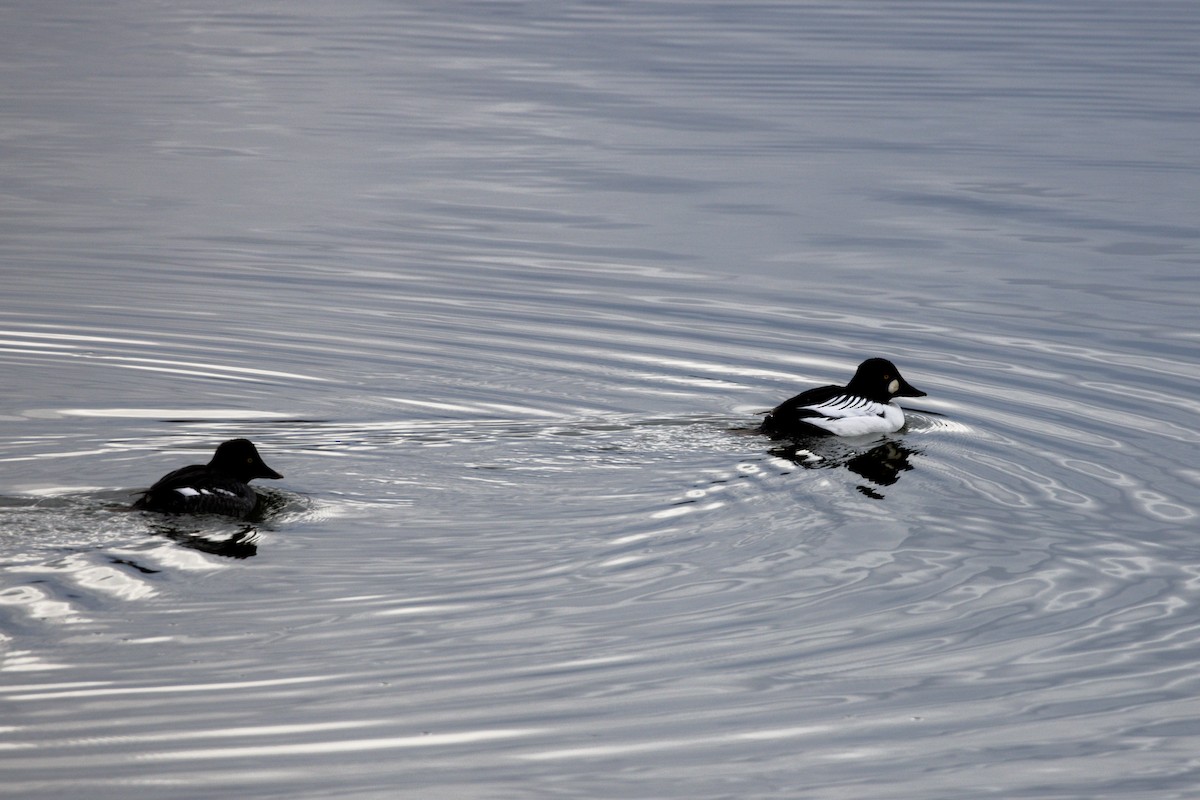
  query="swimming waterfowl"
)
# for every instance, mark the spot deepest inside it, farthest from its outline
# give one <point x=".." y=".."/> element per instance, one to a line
<point x="219" y="487"/>
<point x="862" y="406"/>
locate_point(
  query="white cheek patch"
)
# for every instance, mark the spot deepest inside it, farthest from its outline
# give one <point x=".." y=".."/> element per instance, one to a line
<point x="893" y="387"/>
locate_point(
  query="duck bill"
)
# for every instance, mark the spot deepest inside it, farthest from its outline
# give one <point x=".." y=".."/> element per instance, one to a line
<point x="267" y="472"/>
<point x="908" y="390"/>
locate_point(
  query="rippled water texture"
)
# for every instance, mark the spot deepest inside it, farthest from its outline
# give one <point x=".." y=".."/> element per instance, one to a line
<point x="502" y="288"/>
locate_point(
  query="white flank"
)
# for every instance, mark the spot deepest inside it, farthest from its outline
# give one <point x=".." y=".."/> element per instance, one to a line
<point x="856" y="416"/>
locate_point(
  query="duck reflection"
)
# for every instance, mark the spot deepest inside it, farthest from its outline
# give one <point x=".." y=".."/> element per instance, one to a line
<point x="218" y="535"/>
<point x="881" y="465"/>
<point x="241" y="543"/>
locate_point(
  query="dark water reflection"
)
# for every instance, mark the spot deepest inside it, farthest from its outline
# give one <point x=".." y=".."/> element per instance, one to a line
<point x="503" y="285"/>
<point x="879" y="464"/>
<point x="219" y="535"/>
<point x="238" y="544"/>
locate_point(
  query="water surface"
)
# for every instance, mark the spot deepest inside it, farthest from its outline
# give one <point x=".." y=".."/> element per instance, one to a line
<point x="502" y="289"/>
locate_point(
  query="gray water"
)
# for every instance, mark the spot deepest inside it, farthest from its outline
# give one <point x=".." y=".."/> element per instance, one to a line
<point x="502" y="289"/>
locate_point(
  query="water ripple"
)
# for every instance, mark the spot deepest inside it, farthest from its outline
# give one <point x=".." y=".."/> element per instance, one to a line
<point x="504" y="290"/>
